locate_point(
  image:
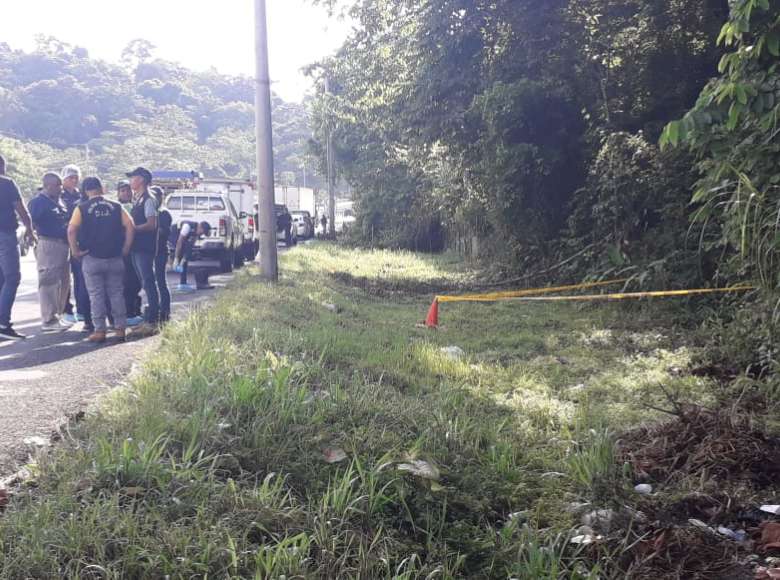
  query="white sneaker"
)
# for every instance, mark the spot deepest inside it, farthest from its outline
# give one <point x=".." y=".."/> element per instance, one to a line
<point x="69" y="318"/>
<point x="54" y="326"/>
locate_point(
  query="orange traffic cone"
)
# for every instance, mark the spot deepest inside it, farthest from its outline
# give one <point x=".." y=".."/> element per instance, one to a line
<point x="433" y="315"/>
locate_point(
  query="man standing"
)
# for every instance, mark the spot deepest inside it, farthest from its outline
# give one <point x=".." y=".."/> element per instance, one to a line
<point x="71" y="197"/>
<point x="164" y="222"/>
<point x="50" y="219"/>
<point x="188" y="234"/>
<point x="132" y="283"/>
<point x="11" y="205"/>
<point x="144" y="250"/>
<point x="100" y="234"/>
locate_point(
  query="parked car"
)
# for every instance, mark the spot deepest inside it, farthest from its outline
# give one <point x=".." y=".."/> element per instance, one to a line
<point x="345" y="216"/>
<point x="224" y="243"/>
<point x="285" y="231"/>
<point x="303" y="223"/>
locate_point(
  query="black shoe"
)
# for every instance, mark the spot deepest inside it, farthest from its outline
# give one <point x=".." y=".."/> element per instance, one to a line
<point x="9" y="333"/>
<point x="88" y="328"/>
<point x="205" y="287"/>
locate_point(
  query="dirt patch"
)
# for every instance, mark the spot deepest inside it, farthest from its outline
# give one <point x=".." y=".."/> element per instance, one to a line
<point x="700" y="443"/>
<point x="688" y="553"/>
<point x="390" y="287"/>
<point x="714" y="532"/>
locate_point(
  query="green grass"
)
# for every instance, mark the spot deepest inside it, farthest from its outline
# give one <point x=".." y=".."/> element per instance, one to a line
<point x="211" y="463"/>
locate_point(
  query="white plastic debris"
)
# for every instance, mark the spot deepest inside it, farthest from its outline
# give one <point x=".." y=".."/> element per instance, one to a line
<point x="36" y="441"/>
<point x="577" y="507"/>
<point x="519" y="516"/>
<point x="453" y="352"/>
<point x="331" y="307"/>
<point x="334" y="455"/>
<point x="420" y="468"/>
<point x="700" y="524"/>
<point x="599" y="519"/>
<point x="771" y="509"/>
<point x="738" y="536"/>
<point x="585" y="535"/>
<point x="644" y="489"/>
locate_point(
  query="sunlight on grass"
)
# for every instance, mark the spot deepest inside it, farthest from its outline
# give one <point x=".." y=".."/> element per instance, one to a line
<point x="214" y="459"/>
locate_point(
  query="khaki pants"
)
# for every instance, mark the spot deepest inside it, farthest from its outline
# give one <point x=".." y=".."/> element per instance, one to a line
<point x="52" y="256"/>
<point x="104" y="278"/>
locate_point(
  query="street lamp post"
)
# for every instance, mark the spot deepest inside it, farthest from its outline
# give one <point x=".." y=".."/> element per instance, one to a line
<point x="265" y="150"/>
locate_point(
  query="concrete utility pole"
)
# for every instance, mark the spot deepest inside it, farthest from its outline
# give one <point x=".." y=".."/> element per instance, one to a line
<point x="329" y="155"/>
<point x="265" y="149"/>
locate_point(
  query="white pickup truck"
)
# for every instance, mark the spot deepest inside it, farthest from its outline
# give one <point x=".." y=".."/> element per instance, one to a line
<point x="224" y="244"/>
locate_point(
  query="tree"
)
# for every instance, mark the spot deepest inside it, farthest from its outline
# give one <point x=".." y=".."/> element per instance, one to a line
<point x="137" y="52"/>
<point x="732" y="130"/>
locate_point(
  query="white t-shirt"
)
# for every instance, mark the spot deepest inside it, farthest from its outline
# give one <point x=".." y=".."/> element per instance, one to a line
<point x="185" y="230"/>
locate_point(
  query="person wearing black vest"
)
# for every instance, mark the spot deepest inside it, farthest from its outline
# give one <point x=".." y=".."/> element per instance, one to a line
<point x="164" y="223"/>
<point x="187" y="233"/>
<point x="144" y="248"/>
<point x="100" y="234"/>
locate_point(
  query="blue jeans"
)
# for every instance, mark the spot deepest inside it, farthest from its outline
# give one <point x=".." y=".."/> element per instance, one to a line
<point x="80" y="292"/>
<point x="160" y="265"/>
<point x="144" y="267"/>
<point x="10" y="275"/>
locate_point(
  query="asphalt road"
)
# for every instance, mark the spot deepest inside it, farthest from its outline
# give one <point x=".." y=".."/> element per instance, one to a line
<point x="47" y="378"/>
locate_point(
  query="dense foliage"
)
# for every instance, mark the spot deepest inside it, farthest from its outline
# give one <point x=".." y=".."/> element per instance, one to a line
<point x="58" y="105"/>
<point x="530" y="124"/>
<point x="733" y="130"/>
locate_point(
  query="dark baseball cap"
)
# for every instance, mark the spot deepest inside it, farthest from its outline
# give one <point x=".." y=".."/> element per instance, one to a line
<point x="122" y="183"/>
<point x="92" y="184"/>
<point x="141" y="172"/>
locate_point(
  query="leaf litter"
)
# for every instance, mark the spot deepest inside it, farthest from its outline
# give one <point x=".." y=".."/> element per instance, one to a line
<point x="717" y="535"/>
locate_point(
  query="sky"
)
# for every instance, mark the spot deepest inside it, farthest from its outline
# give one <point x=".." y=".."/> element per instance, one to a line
<point x="199" y="34"/>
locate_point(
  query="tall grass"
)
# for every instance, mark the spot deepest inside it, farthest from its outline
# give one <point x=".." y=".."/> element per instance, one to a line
<point x="212" y="463"/>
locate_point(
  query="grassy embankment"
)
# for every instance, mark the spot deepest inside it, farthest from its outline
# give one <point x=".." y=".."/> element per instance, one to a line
<point x="213" y="462"/>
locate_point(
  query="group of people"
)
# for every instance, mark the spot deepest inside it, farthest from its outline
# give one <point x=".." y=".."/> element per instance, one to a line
<point x="95" y="252"/>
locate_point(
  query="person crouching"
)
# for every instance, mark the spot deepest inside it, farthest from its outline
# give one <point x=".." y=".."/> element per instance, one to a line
<point x="101" y="234"/>
<point x="187" y="234"/>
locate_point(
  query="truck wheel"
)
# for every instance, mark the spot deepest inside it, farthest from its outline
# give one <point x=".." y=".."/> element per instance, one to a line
<point x="226" y="262"/>
<point x="238" y="258"/>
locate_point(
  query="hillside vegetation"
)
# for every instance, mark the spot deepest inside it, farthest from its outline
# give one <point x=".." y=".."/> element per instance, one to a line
<point x="59" y="106"/>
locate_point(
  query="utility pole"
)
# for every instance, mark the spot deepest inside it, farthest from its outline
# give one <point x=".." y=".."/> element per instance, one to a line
<point x="265" y="149"/>
<point x="329" y="155"/>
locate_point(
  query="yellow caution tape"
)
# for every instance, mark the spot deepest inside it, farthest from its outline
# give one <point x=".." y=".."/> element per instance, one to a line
<point x="629" y="295"/>
<point x="508" y="295"/>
